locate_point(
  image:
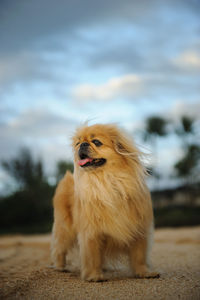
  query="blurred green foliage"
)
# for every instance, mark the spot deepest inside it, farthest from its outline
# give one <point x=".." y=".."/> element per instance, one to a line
<point x="24" y="170"/>
<point x="29" y="208"/>
<point x="27" y="211"/>
<point x="155" y="126"/>
<point x="176" y="216"/>
<point x="62" y="166"/>
<point x="187" y="165"/>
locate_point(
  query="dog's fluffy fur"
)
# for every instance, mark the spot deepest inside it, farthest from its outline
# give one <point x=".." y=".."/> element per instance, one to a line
<point x="105" y="207"/>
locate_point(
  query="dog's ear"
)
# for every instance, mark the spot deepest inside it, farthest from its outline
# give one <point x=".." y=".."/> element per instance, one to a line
<point x="123" y="144"/>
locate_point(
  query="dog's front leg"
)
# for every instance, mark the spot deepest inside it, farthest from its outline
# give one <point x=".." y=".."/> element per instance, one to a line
<point x="138" y="259"/>
<point x="91" y="257"/>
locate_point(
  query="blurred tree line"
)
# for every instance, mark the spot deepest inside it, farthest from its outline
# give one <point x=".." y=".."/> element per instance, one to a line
<point x="186" y="170"/>
<point x="187" y="167"/>
<point x="29" y="208"/>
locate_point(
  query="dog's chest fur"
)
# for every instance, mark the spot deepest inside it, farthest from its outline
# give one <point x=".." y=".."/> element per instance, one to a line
<point x="107" y="204"/>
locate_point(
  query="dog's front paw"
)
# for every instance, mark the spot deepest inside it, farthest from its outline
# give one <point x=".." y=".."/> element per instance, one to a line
<point x="93" y="277"/>
<point x="147" y="274"/>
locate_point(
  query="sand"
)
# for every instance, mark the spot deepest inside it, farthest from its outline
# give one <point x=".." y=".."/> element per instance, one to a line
<point x="24" y="272"/>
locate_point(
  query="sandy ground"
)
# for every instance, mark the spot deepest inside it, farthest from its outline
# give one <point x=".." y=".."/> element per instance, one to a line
<point x="24" y="273"/>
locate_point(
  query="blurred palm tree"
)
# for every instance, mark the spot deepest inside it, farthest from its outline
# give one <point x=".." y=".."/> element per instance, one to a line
<point x="186" y="125"/>
<point x="188" y="167"/>
<point x="185" y="130"/>
<point x="155" y="127"/>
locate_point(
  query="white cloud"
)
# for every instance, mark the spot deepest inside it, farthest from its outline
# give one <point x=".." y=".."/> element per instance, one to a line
<point x="188" y="60"/>
<point x="41" y="130"/>
<point x="125" y="86"/>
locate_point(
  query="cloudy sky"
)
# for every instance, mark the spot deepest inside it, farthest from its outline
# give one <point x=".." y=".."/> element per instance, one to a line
<point x="65" y="62"/>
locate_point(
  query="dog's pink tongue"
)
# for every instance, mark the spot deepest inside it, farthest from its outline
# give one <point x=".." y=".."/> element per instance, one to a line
<point x="84" y="161"/>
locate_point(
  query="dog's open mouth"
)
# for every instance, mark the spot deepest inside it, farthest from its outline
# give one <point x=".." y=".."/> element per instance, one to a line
<point x="86" y="161"/>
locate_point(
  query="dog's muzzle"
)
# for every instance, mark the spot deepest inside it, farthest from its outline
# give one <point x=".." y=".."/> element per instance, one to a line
<point x="83" y="150"/>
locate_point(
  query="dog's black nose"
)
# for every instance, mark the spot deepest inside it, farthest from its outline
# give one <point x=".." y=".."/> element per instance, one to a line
<point x="84" y="150"/>
<point x="84" y="145"/>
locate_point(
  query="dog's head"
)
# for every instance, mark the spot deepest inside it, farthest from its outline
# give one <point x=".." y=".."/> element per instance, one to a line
<point x="100" y="146"/>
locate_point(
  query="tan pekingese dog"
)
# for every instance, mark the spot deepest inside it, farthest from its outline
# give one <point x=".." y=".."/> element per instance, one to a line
<point x="105" y="205"/>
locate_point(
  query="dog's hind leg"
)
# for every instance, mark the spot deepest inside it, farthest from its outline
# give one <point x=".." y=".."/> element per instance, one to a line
<point x="62" y="241"/>
<point x="63" y="235"/>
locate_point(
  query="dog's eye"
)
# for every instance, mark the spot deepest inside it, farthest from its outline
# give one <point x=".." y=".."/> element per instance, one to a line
<point x="97" y="143"/>
<point x="77" y="144"/>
